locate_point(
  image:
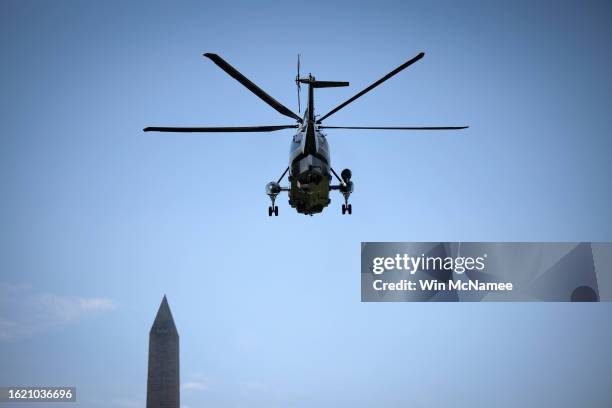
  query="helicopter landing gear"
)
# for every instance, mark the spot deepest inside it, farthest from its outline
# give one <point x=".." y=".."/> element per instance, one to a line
<point x="273" y="210"/>
<point x="345" y="187"/>
<point x="273" y="189"/>
<point x="272" y="192"/>
<point x="347" y="208"/>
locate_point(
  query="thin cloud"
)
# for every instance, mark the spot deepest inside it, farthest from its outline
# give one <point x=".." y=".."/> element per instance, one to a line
<point x="25" y="311"/>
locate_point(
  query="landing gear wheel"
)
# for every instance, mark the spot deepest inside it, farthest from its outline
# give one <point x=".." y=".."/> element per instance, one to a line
<point x="350" y="208"/>
<point x="270" y="211"/>
<point x="343" y="209"/>
<point x="276" y="211"/>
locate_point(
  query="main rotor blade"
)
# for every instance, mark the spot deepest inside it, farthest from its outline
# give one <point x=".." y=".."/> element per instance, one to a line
<point x="233" y="72"/>
<point x="397" y="128"/>
<point x="220" y="129"/>
<point x="374" y="85"/>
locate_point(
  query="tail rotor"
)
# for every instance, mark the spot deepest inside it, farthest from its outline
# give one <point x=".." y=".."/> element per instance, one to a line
<point x="297" y="83"/>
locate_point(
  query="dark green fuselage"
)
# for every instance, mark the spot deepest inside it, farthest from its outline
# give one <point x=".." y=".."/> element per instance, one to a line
<point x="309" y="170"/>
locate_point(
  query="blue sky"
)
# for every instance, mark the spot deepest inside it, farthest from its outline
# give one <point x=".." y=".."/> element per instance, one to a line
<point x="99" y="219"/>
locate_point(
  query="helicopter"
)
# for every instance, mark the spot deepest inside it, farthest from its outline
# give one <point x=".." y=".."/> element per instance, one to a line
<point x="309" y="170"/>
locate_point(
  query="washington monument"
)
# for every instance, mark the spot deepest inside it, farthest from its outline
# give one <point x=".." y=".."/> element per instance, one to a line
<point x="163" y="380"/>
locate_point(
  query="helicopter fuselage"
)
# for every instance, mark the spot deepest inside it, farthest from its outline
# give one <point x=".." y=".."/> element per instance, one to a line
<point x="309" y="170"/>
